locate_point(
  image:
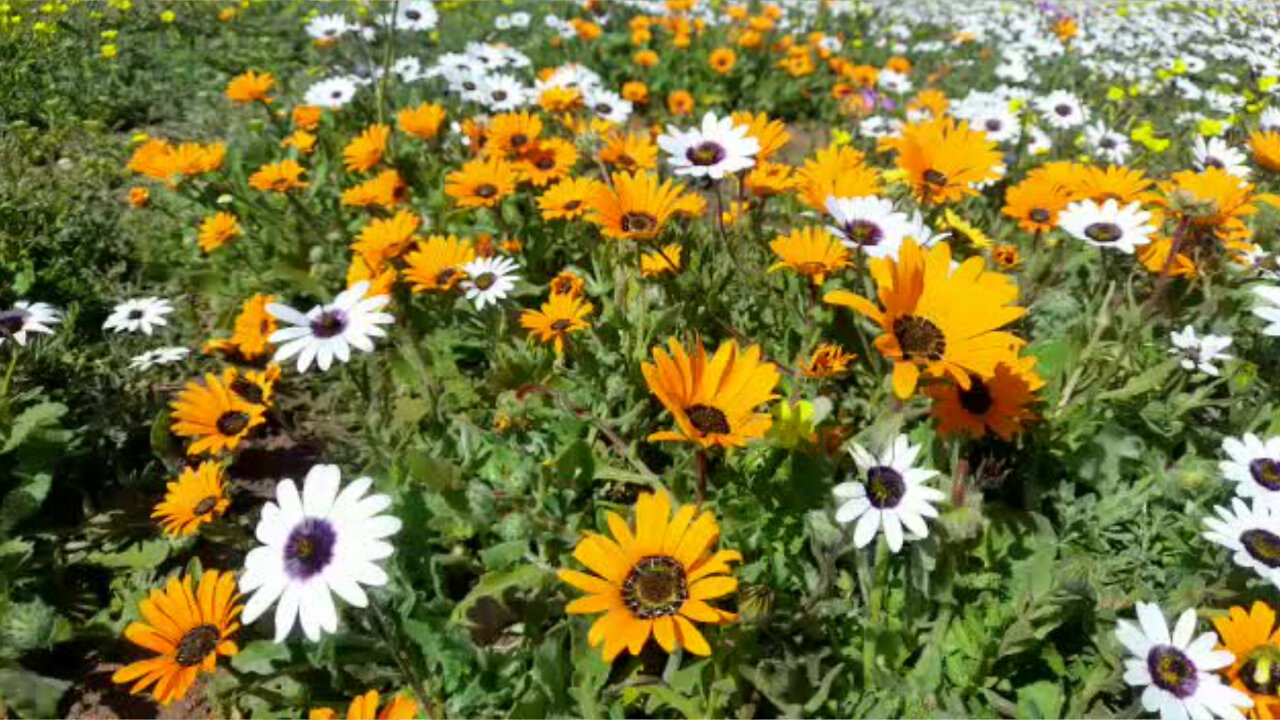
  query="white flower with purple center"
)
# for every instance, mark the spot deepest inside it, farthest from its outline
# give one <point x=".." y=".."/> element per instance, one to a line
<point x="1108" y="225"/>
<point x="139" y="315"/>
<point x="1215" y="152"/>
<point x="328" y="27"/>
<point x="1251" y="533"/>
<point x="331" y="93"/>
<point x="159" y="356"/>
<point x="1178" y="673"/>
<point x="314" y="545"/>
<point x="330" y="331"/>
<point x="411" y="15"/>
<point x="890" y="496"/>
<point x="1061" y="110"/>
<point x="870" y="225"/>
<point x="716" y="148"/>
<point x="1253" y="464"/>
<point x="25" y="317"/>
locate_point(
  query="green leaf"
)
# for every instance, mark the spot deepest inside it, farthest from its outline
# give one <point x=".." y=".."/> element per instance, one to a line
<point x="31" y="420"/>
<point x="496" y="583"/>
<point x="260" y="657"/>
<point x="1144" y="382"/>
<point x="144" y="555"/>
<point x="31" y="695"/>
<point x="1043" y="699"/>
<point x="24" y="500"/>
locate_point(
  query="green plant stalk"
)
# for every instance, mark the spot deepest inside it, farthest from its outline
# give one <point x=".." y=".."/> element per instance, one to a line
<point x="875" y="611"/>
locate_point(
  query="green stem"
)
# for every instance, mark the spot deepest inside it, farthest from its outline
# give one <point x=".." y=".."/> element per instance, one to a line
<point x="875" y="613"/>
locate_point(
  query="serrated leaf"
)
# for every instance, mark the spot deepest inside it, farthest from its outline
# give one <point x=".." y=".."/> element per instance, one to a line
<point x="31" y="695"/>
<point x="31" y="420"/>
<point x="260" y="657"/>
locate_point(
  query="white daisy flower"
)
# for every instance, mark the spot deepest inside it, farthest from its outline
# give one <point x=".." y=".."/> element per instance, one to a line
<point x="408" y="69"/>
<point x="1179" y="673"/>
<point x="25" y="317"/>
<point x="1199" y="352"/>
<point x="1253" y="465"/>
<point x="315" y="543"/>
<point x="717" y="148"/>
<point x="1107" y="226"/>
<point x="489" y="280"/>
<point x="501" y="93"/>
<point x="1215" y="152"/>
<point x="330" y="331"/>
<point x="1106" y="144"/>
<point x="870" y="225"/>
<point x="328" y="27"/>
<point x="139" y="315"/>
<point x="1251" y="533"/>
<point x="520" y="19"/>
<point x="1062" y="110"/>
<point x="332" y="93"/>
<point x="608" y="105"/>
<point x="894" y="82"/>
<point x="892" y="496"/>
<point x="1039" y="143"/>
<point x="159" y="356"/>
<point x="412" y="15"/>
<point x="999" y="124"/>
<point x="1269" y="309"/>
<point x="1269" y="119"/>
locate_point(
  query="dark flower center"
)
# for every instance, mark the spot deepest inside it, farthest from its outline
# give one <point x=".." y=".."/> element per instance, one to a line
<point x="468" y="85"/>
<point x="1107" y="144"/>
<point x="11" y="321"/>
<point x="1214" y="162"/>
<point x="309" y="548"/>
<point x="573" y="205"/>
<point x="655" y="587"/>
<point x="561" y="325"/>
<point x="1172" y="671"/>
<point x="604" y="108"/>
<point x="232" y="423"/>
<point x="413" y="14"/>
<point x="519" y="139"/>
<point x="1064" y="110"/>
<point x="638" y="222"/>
<point x="206" y="505"/>
<point x="1262" y="546"/>
<point x="994" y="125"/>
<point x="248" y="390"/>
<point x="484" y="281"/>
<point x="935" y="177"/>
<point x="919" y="338"/>
<point x="135" y="314"/>
<point x="196" y="645"/>
<point x="335" y="94"/>
<point x="1040" y="215"/>
<point x="1261" y="672"/>
<point x="1102" y="232"/>
<point x="445" y="276"/>
<point x="977" y="399"/>
<point x="486" y="190"/>
<point x="705" y="153"/>
<point x="1266" y="472"/>
<point x="709" y="420"/>
<point x="329" y="323"/>
<point x="863" y="232"/>
<point x="545" y="162"/>
<point x="499" y="95"/>
<point x="885" y="487"/>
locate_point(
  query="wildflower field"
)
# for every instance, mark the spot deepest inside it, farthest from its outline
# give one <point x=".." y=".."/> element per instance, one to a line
<point x="639" y="358"/>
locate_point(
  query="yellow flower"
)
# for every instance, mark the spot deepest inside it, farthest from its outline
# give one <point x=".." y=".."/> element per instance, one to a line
<point x="795" y="424"/>
<point x="216" y="230"/>
<point x="712" y="399"/>
<point x="660" y="262"/>
<point x="811" y="252"/>
<point x="365" y="151"/>
<point x="653" y="580"/>
<point x="278" y="177"/>
<point x="109" y="51"/>
<point x="250" y="87"/>
<point x="560" y="315"/>
<point x="197" y="497"/>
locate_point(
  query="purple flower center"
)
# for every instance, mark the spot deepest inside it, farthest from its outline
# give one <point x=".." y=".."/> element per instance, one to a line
<point x="1172" y="671"/>
<point x="309" y="549"/>
<point x="329" y="323"/>
<point x="885" y="487"/>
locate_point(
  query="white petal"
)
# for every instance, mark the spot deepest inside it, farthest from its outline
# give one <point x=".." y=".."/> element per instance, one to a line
<point x="320" y="490"/>
<point x="287" y="610"/>
<point x="868" y="524"/>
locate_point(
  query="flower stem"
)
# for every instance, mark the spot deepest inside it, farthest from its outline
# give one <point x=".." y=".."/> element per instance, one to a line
<point x="875" y="612"/>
